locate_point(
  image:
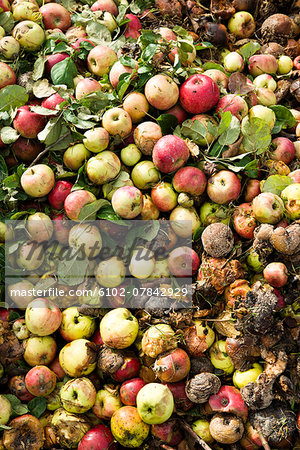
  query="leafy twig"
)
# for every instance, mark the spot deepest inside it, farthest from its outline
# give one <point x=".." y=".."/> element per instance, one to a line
<point x="46" y="150"/>
<point x="195" y="436"/>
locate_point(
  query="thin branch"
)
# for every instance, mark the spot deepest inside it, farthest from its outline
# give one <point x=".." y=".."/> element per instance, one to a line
<point x="46" y="150"/>
<point x="263" y="439"/>
<point x="194" y="435"/>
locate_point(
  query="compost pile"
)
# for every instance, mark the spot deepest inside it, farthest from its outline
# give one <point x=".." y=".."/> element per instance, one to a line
<point x="151" y="111"/>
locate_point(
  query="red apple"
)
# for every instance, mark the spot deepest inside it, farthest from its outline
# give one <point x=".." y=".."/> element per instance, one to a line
<point x="252" y="190"/>
<point x="98" y="438"/>
<point x="75" y="201"/>
<point x="57" y="369"/>
<point x="26" y="150"/>
<point x="190" y="180"/>
<point x="7" y="75"/>
<point x="5" y="5"/>
<point x="170" y="153"/>
<point x="172" y="366"/>
<point x="233" y="103"/>
<point x="244" y="222"/>
<point x="259" y="64"/>
<point x="76" y="44"/>
<point x="61" y="228"/>
<point x="276" y="274"/>
<point x="284" y="150"/>
<point x="178" y="112"/>
<point x="132" y="27"/>
<point x="179" y="395"/>
<point x="59" y="193"/>
<point x="163" y="196"/>
<point x="18" y="388"/>
<point x="97" y="338"/>
<point x="55" y="16"/>
<point x="168" y="432"/>
<point x="295" y="175"/>
<point x="129" y="369"/>
<point x="40" y="381"/>
<point x="51" y="60"/>
<point x="129" y="390"/>
<point x="198" y="94"/>
<point x="105" y="5"/>
<point x="117" y="70"/>
<point x="224" y="187"/>
<point x="27" y="123"/>
<point x="229" y="400"/>
<point x="87" y="86"/>
<point x="52" y="101"/>
<point x="218" y="76"/>
<point x="183" y="262"/>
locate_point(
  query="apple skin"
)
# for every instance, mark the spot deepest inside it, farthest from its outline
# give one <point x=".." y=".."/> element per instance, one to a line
<point x="103" y="167"/>
<point x="110" y="272"/>
<point x="276" y="274"/>
<point x="130" y="155"/>
<point x="51" y="60"/>
<point x="172" y="366"/>
<point x="265" y="97"/>
<point x="76" y="326"/>
<point x="7" y="75"/>
<point x="285" y="64"/>
<point x="27" y="123"/>
<point x="61" y="228"/>
<point x="180" y="398"/>
<point x="98" y="437"/>
<point x="18" y="388"/>
<point x="265" y="81"/>
<point x="5" y="5"/>
<point x="291" y="198"/>
<point x="85" y="361"/>
<point x="20" y="329"/>
<point x="168" y="432"/>
<point x="26" y="150"/>
<point x="240" y="379"/>
<point x="29" y="34"/>
<point x="96" y="140"/>
<point x="170" y="153"/>
<point x="75" y="156"/>
<point x="229" y="400"/>
<point x="155" y="403"/>
<point x="107" y="403"/>
<point x="39" y="350"/>
<point x="268" y="208"/>
<point x="167" y="34"/>
<point x="241" y="24"/>
<point x="127" y="202"/>
<point x="129" y="390"/>
<point x="259" y="64"/>
<point x="223" y="187"/>
<point x="100" y="59"/>
<point x="184" y="221"/>
<point x="117" y="70"/>
<point x="52" y="101"/>
<point x="149" y="210"/>
<point x="40" y="381"/>
<point x="233" y="103"/>
<point x="75" y="201"/>
<point x="190" y="180"/>
<point x="233" y="62"/>
<point x="263" y="113"/>
<point x="37" y="181"/>
<point x="42" y="317"/>
<point x="55" y="16"/>
<point x="295" y="175"/>
<point x="136" y="105"/>
<point x="105" y="5"/>
<point x="78" y="395"/>
<point x="9" y="47"/>
<point x="87" y="86"/>
<point x="57" y="369"/>
<point x="178" y="112"/>
<point x="5" y="410"/>
<point x="129" y="369"/>
<point x="252" y="190"/>
<point x="201" y="428"/>
<point x="198" y="94"/>
<point x="217" y="354"/>
<point x="119" y="328"/>
<point x="284" y="150"/>
<point x="243" y="221"/>
<point x="161" y="92"/>
<point x="145" y="135"/>
<point x="218" y="76"/>
<point x="59" y="193"/>
<point x="128" y="428"/>
<point x="133" y="27"/>
<point x="163" y="196"/>
<point x="181" y="261"/>
<point x="117" y="122"/>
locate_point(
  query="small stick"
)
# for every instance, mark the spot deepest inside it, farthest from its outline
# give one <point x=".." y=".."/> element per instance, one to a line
<point x="195" y="436"/>
<point x="46" y="150"/>
<point x="263" y="440"/>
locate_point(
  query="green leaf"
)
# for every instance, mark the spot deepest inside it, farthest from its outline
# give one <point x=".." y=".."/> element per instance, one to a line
<point x="9" y="135"/>
<point x="43" y="111"/>
<point x="148" y="230"/>
<point x="284" y="117"/>
<point x="37" y="406"/>
<point x="184" y="34"/>
<point x="124" y="83"/>
<point x="194" y="130"/>
<point x="149" y="52"/>
<point x="7" y="21"/>
<point x="12" y="181"/>
<point x="5" y="427"/>
<point x="107" y="213"/>
<point x="3" y="169"/>
<point x="12" y="97"/>
<point x="149" y="37"/>
<point x="252" y="169"/>
<point x="98" y="33"/>
<point x="257" y="135"/>
<point x="276" y="183"/>
<point x="249" y="49"/>
<point x="38" y="68"/>
<point x="89" y="211"/>
<point x="224" y="122"/>
<point x="231" y="133"/>
<point x="127" y="61"/>
<point x="18" y="408"/>
<point x="53" y="131"/>
<point x="167" y="123"/>
<point x="64" y="72"/>
<point x="69" y="116"/>
<point x="212" y="65"/>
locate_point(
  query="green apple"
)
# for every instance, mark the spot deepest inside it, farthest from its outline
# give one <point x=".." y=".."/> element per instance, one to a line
<point x="205" y="332"/>
<point x="78" y="395"/>
<point x="78" y="358"/>
<point x="263" y="113"/>
<point x="110" y="272"/>
<point x="53" y="399"/>
<point x="268" y="208"/>
<point x="285" y="64"/>
<point x="201" y="428"/>
<point x="161" y="269"/>
<point x="5" y="410"/>
<point x="211" y="212"/>
<point x="240" y="379"/>
<point x="96" y="140"/>
<point x="107" y="402"/>
<point x="29" y="34"/>
<point x="142" y="263"/>
<point x="254" y="261"/>
<point x="119" y="328"/>
<point x="155" y="403"/>
<point x="30" y="256"/>
<point x="9" y="47"/>
<point x="76" y="326"/>
<point x="184" y="221"/>
<point x="103" y="167"/>
<point x="86" y="238"/>
<point x="220" y="359"/>
<point x="40" y="227"/>
<point x="291" y="197"/>
<point x="145" y="175"/>
<point x="130" y="155"/>
<point x="75" y="156"/>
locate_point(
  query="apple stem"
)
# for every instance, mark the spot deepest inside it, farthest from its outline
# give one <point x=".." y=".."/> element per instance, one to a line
<point x="263" y="440"/>
<point x="195" y="436"/>
<point x="46" y="150"/>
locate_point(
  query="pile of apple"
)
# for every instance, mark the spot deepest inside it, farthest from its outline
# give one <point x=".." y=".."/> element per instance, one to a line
<point x="161" y="124"/>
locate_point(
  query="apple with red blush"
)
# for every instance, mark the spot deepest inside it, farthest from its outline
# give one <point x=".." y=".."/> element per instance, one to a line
<point x="178" y="112"/>
<point x="129" y="390"/>
<point x="162" y="92"/>
<point x="224" y="187"/>
<point x="98" y="437"/>
<point x="7" y="75"/>
<point x="40" y="381"/>
<point x="268" y="208"/>
<point x="76" y="45"/>
<point x="100" y="59"/>
<point x="97" y="338"/>
<point x="276" y="274"/>
<point x="51" y="60"/>
<point x="87" y="86"/>
<point x="170" y="153"/>
<point x="182" y="402"/>
<point x="190" y="180"/>
<point x="57" y="369"/>
<point x="133" y="27"/>
<point x="218" y="77"/>
<point x="28" y="123"/>
<point x="61" y="228"/>
<point x="283" y="150"/>
<point x="183" y="262"/>
<point x="198" y="94"/>
<point x="260" y="64"/>
<point x="229" y="400"/>
<point x="75" y="201"/>
<point x="26" y="150"/>
<point x="129" y="369"/>
<point x="233" y="103"/>
<point x="119" y="69"/>
<point x="164" y="197"/>
<point x="243" y="221"/>
<point x="55" y="15"/>
<point x="172" y="366"/>
<point x="105" y="5"/>
<point x="252" y="190"/>
<point x="295" y="175"/>
<point x="168" y="432"/>
<point x="52" y="101"/>
<point x="59" y="193"/>
<point x="18" y="388"/>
